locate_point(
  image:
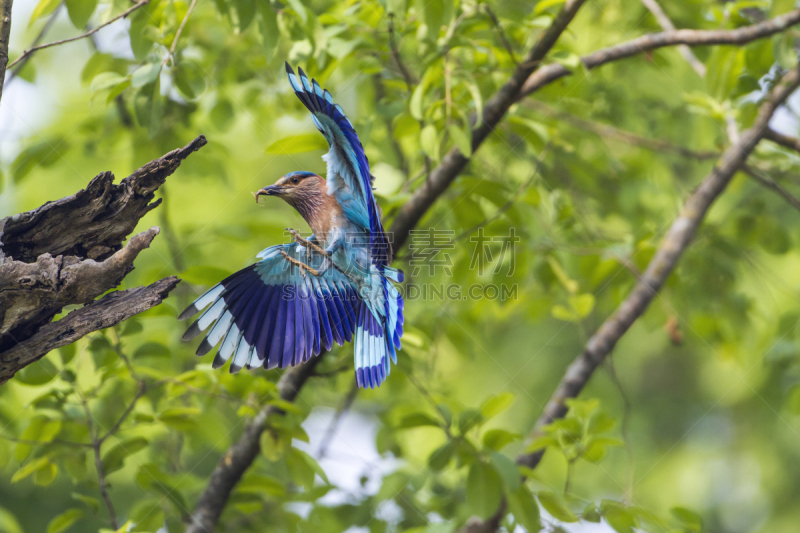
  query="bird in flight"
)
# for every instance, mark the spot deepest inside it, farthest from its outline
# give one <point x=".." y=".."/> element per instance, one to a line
<point x="336" y="285"/>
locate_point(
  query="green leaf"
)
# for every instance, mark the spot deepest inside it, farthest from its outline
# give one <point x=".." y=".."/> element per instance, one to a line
<point x="271" y="445"/>
<point x="298" y="8"/>
<point x="496" y="405"/>
<point x="38" y="373"/>
<point x="477" y="99"/>
<point x="151" y="349"/>
<point x="67" y="353"/>
<point x="524" y="508"/>
<point x="8" y="523"/>
<point x="434" y="16"/>
<point x="415" y="105"/>
<point x="405" y="125"/>
<point x="484" y="489"/>
<point x="543" y="5"/>
<point x="287" y="406"/>
<point x="429" y="141"/>
<point x="461" y="139"/>
<point x="30" y="468"/>
<point x="268" y="26"/>
<point x="620" y="518"/>
<point x="107" y="80"/>
<point x="42" y="154"/>
<point x="222" y="114"/>
<point x="556" y="506"/>
<point x="132" y="327"/>
<point x="300" y="469"/>
<point x="442" y="455"/>
<point x="42" y="9"/>
<point x="93" y="503"/>
<point x="246" y="10"/>
<point x="418" y="419"/>
<point x="497" y="439"/>
<point x="725" y="64"/>
<point x="65" y="520"/>
<point x="690" y="520"/>
<point x="46" y="475"/>
<point x="146" y="74"/>
<point x="181" y="418"/>
<point x="264" y="485"/>
<point x="114" y="459"/>
<point x="296" y="144"/>
<point x="468" y="419"/>
<point x="508" y="471"/>
<point x="80" y="11"/>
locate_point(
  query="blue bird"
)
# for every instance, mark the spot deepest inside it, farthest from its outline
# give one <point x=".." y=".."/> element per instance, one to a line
<point x="336" y="285"/>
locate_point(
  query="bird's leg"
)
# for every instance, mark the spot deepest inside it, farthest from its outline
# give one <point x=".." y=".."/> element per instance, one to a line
<point x="302" y="266"/>
<point x="305" y="242"/>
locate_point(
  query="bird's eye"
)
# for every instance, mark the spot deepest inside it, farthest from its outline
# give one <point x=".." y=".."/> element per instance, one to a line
<point x="295" y="181"/>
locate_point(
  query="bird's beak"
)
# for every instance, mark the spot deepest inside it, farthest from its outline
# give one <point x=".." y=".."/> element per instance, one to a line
<point x="272" y="190"/>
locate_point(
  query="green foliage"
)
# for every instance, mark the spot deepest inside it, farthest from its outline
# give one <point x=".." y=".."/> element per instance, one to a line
<point x="704" y="389"/>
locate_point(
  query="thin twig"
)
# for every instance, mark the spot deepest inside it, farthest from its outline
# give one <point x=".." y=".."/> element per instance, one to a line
<point x="667" y="25"/>
<point x="430" y="399"/>
<point x="45" y="443"/>
<point x="764" y="179"/>
<point x="128" y="410"/>
<point x="46" y="28"/>
<point x="792" y="143"/>
<point x="670" y="251"/>
<point x="5" y="34"/>
<point x="501" y="33"/>
<point x="552" y="72"/>
<point x="122" y="15"/>
<point x="610" y="132"/>
<point x="98" y="463"/>
<point x="409" y="79"/>
<point x="180" y="30"/>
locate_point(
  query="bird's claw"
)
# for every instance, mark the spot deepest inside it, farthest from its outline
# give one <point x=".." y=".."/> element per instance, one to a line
<point x="305" y="242"/>
<point x="302" y="266"/>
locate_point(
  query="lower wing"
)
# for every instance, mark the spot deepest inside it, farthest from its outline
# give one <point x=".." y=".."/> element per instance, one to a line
<point x="272" y="314"/>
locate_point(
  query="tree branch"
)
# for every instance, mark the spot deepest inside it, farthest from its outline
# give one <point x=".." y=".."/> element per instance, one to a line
<point x="792" y="143"/>
<point x="100" y="314"/>
<point x="493" y="112"/>
<point x="240" y="456"/>
<point x="5" y="32"/>
<point x="180" y="29"/>
<point x="555" y="71"/>
<point x="70" y="252"/>
<point x="667" y="25"/>
<point x="122" y="15"/>
<point x="763" y="179"/>
<point x="672" y="247"/>
<point x="46" y="28"/>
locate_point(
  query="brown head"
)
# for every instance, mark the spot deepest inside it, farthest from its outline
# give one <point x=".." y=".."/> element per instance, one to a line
<point x="307" y="193"/>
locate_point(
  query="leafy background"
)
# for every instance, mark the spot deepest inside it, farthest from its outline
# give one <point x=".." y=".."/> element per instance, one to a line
<point x="695" y="425"/>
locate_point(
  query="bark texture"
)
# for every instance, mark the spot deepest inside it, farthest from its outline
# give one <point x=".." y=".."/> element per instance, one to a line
<point x="71" y="251"/>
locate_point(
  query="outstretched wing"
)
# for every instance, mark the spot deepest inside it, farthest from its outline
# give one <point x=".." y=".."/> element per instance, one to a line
<point x="270" y="314"/>
<point x="349" y="179"/>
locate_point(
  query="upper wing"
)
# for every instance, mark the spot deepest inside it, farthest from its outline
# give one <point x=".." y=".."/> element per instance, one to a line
<point x="349" y="179"/>
<point x="270" y="314"/>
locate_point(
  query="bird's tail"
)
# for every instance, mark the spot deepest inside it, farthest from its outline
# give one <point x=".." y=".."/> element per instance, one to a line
<point x="378" y="332"/>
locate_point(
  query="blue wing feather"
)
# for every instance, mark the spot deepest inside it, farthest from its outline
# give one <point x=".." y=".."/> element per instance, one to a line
<point x="349" y="178"/>
<point x="271" y="314"/>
